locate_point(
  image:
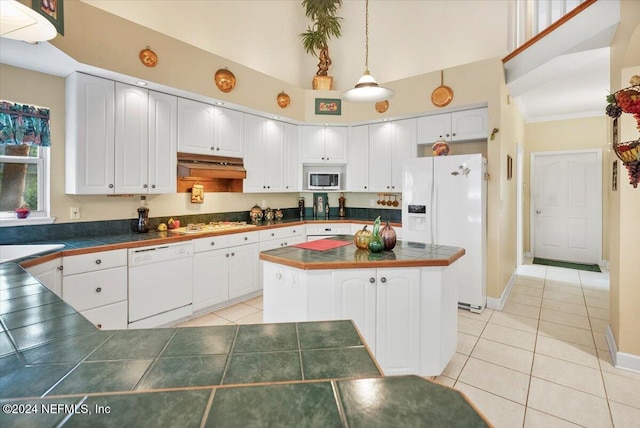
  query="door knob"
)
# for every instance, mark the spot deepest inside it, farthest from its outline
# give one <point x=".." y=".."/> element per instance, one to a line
<point x="538" y="211"/>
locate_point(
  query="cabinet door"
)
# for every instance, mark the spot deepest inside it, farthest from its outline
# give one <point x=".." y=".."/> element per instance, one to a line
<point x="433" y="128"/>
<point x="273" y="156"/>
<point x="243" y="270"/>
<point x="210" y="278"/>
<point x="469" y="125"/>
<point x="404" y="147"/>
<point x="132" y="139"/>
<point x="380" y="152"/>
<point x="358" y="166"/>
<point x="90" y="140"/>
<point x="336" y="143"/>
<point x="196" y="124"/>
<point x="292" y="166"/>
<point x="49" y="274"/>
<point x="312" y="142"/>
<point x="108" y="317"/>
<point x="229" y="133"/>
<point x="355" y="294"/>
<point x="398" y="320"/>
<point x="163" y="137"/>
<point x="254" y="159"/>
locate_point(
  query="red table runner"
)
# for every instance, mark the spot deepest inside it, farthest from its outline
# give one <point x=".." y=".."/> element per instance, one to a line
<point x="322" y="244"/>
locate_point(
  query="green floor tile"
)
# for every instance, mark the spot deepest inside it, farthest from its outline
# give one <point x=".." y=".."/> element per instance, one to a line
<point x="38" y="314"/>
<point x="263" y="367"/>
<point x="71" y="349"/>
<point x="42" y="412"/>
<point x="175" y="372"/>
<point x="338" y="363"/>
<point x="31" y="381"/>
<point x="307" y="405"/>
<point x="50" y="330"/>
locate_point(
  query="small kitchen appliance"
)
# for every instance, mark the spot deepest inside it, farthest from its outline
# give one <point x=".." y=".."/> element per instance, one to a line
<point x="143" y="220"/>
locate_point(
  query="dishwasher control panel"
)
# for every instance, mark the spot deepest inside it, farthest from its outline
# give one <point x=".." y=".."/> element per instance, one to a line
<point x="159" y="253"/>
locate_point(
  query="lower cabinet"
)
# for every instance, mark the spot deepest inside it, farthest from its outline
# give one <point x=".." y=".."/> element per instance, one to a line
<point x="210" y="273"/>
<point x="108" y="317"/>
<point x="49" y="274"/>
<point x="385" y="306"/>
<point x="243" y="270"/>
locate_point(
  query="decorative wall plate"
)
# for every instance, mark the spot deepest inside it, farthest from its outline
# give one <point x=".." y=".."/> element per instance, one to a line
<point x="283" y="99"/>
<point x="148" y="57"/>
<point x="225" y="80"/>
<point x="382" y="106"/>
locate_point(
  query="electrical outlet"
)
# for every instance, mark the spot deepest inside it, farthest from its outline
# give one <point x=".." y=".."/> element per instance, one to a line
<point x="372" y="202"/>
<point x="74" y="213"/>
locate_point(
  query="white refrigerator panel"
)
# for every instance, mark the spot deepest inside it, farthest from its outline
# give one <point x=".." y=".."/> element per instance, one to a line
<point x="460" y="218"/>
<point x="417" y="200"/>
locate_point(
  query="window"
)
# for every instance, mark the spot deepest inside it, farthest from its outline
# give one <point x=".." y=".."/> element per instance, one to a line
<point x="24" y="161"/>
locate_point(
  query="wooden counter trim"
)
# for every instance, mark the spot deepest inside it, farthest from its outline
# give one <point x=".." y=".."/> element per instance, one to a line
<point x="169" y="237"/>
<point x="362" y="264"/>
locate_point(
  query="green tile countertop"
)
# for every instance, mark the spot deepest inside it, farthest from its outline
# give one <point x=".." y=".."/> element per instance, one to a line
<point x="404" y="254"/>
<point x="57" y="369"/>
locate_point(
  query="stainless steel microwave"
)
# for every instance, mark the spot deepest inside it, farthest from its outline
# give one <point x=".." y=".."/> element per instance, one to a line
<point x="324" y="181"/>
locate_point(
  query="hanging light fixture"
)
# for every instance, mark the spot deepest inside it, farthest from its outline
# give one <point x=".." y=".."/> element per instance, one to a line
<point x="367" y="89"/>
<point x="19" y="22"/>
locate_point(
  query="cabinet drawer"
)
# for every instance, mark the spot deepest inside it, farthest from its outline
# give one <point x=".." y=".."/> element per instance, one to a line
<point x="329" y="229"/>
<point x="281" y="232"/>
<point x="93" y="262"/>
<point x="109" y="317"/>
<point x="212" y="243"/>
<point x="93" y="289"/>
<point x="243" y="238"/>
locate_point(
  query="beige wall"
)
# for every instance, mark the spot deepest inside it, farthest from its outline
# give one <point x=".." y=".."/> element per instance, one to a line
<point x="190" y="69"/>
<point x="575" y="134"/>
<point x="624" y="204"/>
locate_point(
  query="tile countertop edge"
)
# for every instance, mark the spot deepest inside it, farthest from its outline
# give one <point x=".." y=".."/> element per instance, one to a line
<point x="170" y="237"/>
<point x="363" y="264"/>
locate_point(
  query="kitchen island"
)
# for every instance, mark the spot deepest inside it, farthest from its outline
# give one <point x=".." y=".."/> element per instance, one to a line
<point x="403" y="301"/>
<point x="57" y="369"/>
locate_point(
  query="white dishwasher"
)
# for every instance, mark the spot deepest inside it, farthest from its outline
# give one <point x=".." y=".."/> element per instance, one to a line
<point x="160" y="284"/>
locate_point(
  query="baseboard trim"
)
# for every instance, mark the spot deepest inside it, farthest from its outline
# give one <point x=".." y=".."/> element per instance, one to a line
<point x="621" y="360"/>
<point x="498" y="304"/>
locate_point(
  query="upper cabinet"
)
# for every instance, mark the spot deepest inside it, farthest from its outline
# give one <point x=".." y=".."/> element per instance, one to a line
<point x="120" y="138"/>
<point x="90" y="141"/>
<point x="209" y="130"/>
<point x="358" y="166"/>
<point x="457" y="126"/>
<point x="390" y="143"/>
<point x="323" y="144"/>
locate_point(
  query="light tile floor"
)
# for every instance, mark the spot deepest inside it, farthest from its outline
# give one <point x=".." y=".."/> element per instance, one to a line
<point x="542" y="361"/>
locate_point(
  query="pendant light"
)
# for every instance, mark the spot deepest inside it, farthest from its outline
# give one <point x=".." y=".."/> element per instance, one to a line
<point x="19" y="22"/>
<point x="367" y="89"/>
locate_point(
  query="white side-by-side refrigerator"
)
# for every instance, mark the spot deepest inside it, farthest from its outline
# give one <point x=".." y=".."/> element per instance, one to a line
<point x="444" y="201"/>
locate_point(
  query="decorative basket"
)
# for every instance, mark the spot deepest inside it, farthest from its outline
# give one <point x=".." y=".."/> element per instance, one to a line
<point x="629" y="153"/>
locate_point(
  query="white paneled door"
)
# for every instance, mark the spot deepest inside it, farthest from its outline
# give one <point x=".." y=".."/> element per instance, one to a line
<point x="566" y="205"/>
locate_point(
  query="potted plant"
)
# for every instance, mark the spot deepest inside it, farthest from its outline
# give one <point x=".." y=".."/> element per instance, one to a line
<point x="325" y="25"/>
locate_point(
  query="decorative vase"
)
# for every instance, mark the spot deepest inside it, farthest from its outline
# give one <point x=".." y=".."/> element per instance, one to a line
<point x="375" y="244"/>
<point x="23" y="212"/>
<point x="388" y="237"/>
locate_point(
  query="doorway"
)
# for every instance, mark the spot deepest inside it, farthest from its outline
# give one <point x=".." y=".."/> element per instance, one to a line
<point x="566" y="205"/>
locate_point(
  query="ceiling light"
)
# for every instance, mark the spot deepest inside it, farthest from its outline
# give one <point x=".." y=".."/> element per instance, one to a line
<point x="19" y="22"/>
<point x="141" y="83"/>
<point x="367" y="89"/>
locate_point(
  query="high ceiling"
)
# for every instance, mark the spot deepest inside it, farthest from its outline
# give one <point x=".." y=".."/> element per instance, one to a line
<point x="406" y="38"/>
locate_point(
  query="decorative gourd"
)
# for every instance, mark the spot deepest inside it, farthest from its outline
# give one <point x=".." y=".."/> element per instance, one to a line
<point x="375" y="244"/>
<point x="388" y="237"/>
<point x="362" y="238"/>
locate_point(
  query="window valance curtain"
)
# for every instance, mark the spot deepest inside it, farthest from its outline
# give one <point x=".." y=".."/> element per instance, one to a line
<point x="22" y="124"/>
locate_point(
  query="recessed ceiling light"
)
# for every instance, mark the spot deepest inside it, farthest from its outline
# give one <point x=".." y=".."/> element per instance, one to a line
<point x="276" y="117"/>
<point x="219" y="103"/>
<point x="141" y="83"/>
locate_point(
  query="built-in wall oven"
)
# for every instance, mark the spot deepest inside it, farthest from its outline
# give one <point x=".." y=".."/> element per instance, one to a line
<point x="160" y="284"/>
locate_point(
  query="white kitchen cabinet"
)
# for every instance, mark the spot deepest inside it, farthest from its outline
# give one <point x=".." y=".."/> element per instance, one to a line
<point x="390" y="143"/>
<point x="326" y="230"/>
<point x="457" y="126"/>
<point x="385" y="306"/>
<point x="209" y="130"/>
<point x="94" y="283"/>
<point x="120" y="138"/>
<point x="358" y="166"/>
<point x="243" y="270"/>
<point x="281" y="237"/>
<point x="210" y="278"/>
<point x="89" y="135"/>
<point x="292" y="167"/>
<point x="49" y="274"/>
<point x="324" y="144"/>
